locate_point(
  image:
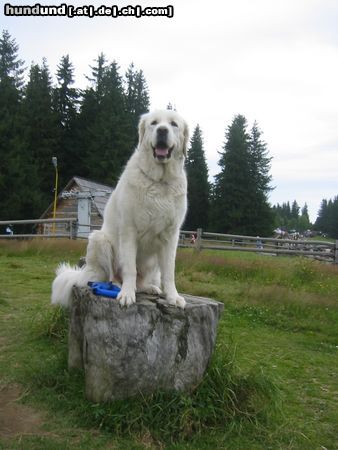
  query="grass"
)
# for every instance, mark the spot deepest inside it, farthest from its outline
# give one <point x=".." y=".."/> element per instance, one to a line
<point x="272" y="383"/>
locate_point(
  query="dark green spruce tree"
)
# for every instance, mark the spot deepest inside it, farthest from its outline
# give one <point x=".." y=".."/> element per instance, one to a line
<point x="90" y="110"/>
<point x="321" y="223"/>
<point x="97" y="76"/>
<point x="304" y="220"/>
<point x="13" y="161"/>
<point x="232" y="190"/>
<point x="327" y="220"/>
<point x="260" y="161"/>
<point x="106" y="140"/>
<point x="39" y="131"/>
<point x="65" y="101"/>
<point x="137" y="98"/>
<point x="198" y="184"/>
<point x="239" y="196"/>
<point x="295" y="211"/>
<point x="262" y="218"/>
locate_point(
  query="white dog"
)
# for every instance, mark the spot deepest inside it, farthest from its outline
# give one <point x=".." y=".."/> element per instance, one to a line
<point x="136" y="246"/>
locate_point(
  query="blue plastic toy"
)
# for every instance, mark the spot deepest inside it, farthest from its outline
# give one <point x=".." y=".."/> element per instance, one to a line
<point x="104" y="289"/>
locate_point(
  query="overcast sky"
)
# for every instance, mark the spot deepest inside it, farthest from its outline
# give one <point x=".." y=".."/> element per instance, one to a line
<point x="274" y="61"/>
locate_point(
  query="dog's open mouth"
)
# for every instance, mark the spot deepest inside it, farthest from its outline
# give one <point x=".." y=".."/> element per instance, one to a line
<point x="162" y="152"/>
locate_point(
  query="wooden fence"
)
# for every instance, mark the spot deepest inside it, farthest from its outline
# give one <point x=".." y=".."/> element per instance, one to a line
<point x="198" y="240"/>
<point x="201" y="240"/>
<point x="40" y="228"/>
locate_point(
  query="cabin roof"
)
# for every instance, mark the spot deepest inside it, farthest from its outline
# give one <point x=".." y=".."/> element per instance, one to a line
<point x="84" y="185"/>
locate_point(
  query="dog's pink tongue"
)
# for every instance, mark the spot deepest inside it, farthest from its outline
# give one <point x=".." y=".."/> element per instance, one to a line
<point x="161" y="151"/>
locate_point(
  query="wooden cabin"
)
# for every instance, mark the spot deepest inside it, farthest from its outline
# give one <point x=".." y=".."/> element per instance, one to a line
<point x="80" y="199"/>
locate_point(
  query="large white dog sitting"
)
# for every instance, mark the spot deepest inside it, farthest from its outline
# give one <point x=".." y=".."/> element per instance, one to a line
<point x="136" y="246"/>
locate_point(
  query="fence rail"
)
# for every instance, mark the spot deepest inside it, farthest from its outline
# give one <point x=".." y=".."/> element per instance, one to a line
<point x="201" y="240"/>
<point x="67" y="228"/>
<point x="198" y="240"/>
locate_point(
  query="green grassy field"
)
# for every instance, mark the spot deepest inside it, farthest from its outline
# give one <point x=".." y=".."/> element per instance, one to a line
<point x="272" y="383"/>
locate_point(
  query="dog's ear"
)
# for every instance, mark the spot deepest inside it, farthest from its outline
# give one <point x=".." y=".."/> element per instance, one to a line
<point x="141" y="128"/>
<point x="185" y="139"/>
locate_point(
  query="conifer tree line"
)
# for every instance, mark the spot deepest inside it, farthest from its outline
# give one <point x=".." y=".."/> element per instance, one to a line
<point x="327" y="220"/>
<point x="93" y="132"/>
<point x="292" y="217"/>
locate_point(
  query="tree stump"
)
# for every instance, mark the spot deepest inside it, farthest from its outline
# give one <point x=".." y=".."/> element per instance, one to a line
<point x="147" y="347"/>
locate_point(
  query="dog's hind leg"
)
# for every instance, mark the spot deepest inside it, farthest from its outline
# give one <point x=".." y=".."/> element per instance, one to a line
<point x="100" y="255"/>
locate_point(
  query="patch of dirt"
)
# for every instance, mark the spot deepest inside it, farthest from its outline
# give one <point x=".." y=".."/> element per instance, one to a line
<point x="15" y="418"/>
<point x="149" y="442"/>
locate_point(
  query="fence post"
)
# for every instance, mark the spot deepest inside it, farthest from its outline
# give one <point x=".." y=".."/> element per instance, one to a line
<point x="336" y="253"/>
<point x="198" y="243"/>
<point x="73" y="229"/>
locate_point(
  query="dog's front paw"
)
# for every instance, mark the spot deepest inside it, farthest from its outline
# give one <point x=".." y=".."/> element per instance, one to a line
<point x="126" y="298"/>
<point x="150" y="289"/>
<point x="176" y="300"/>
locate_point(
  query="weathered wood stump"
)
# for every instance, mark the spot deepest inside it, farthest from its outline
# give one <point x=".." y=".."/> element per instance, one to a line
<point x="143" y="348"/>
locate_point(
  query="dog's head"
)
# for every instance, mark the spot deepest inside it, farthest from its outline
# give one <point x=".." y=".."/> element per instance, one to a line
<point x="165" y="134"/>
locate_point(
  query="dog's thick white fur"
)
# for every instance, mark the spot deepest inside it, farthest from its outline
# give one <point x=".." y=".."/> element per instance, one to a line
<point x="136" y="246"/>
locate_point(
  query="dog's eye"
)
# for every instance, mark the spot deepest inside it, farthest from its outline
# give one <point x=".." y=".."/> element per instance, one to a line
<point x="154" y="122"/>
<point x="173" y="123"/>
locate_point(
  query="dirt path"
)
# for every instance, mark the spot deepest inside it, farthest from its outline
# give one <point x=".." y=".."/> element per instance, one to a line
<point x="17" y="419"/>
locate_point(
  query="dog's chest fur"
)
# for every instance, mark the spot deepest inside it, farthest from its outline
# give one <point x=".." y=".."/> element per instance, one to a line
<point x="162" y="205"/>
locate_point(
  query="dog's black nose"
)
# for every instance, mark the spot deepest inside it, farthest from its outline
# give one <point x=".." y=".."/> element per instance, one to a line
<point x="162" y="132"/>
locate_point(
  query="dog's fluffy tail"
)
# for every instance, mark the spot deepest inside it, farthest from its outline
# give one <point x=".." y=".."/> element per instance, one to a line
<point x="66" y="277"/>
<point x="98" y="267"/>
